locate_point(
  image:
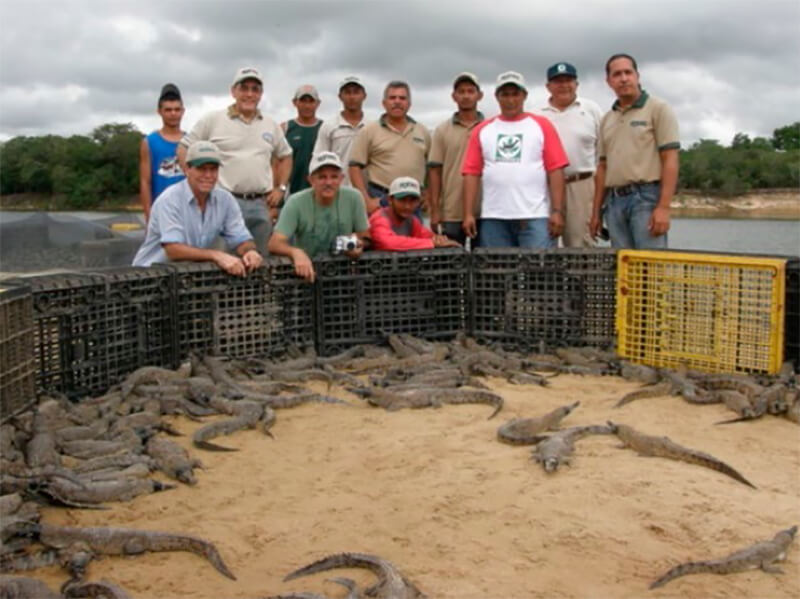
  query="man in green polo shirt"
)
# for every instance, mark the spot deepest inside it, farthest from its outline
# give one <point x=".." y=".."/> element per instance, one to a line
<point x="637" y="171"/>
<point x="312" y="219"/>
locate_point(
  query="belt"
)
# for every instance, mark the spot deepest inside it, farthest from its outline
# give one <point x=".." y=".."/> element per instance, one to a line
<point x="578" y="177"/>
<point x="379" y="187"/>
<point x="249" y="196"/>
<point x="626" y="190"/>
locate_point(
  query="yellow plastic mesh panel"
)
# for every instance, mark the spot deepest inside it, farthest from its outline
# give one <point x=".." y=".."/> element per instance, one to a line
<point x="709" y="312"/>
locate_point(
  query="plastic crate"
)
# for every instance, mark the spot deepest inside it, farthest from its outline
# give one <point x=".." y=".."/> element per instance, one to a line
<point x="423" y="293"/>
<point x="70" y="315"/>
<point x="713" y="313"/>
<point x="296" y="298"/>
<point x="141" y="327"/>
<point x="17" y="364"/>
<point x="534" y="299"/>
<point x="226" y="315"/>
<point x="792" y="320"/>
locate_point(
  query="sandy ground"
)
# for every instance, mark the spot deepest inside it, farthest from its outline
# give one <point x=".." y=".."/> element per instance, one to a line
<point x="777" y="204"/>
<point x="463" y="515"/>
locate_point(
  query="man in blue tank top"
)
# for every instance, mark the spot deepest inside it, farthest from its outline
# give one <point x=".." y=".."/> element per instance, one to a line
<point x="158" y="162"/>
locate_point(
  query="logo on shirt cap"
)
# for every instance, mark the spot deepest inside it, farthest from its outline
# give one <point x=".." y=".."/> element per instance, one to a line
<point x="509" y="147"/>
<point x="562" y="67"/>
<point x="267" y="137"/>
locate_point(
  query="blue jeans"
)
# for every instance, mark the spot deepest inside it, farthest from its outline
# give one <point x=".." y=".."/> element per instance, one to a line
<point x="523" y="233"/>
<point x="627" y="218"/>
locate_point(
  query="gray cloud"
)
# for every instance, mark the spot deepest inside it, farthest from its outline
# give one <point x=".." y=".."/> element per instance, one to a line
<point x="65" y="68"/>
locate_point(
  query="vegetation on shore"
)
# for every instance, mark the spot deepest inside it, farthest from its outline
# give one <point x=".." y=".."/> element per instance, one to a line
<point x="101" y="170"/>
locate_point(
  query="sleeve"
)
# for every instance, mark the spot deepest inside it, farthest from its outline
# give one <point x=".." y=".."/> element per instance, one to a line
<point x="420" y="231"/>
<point x="199" y="132"/>
<point x="601" y="144"/>
<point x="289" y="217"/>
<point x="358" y="153"/>
<point x="282" y="147"/>
<point x="323" y="143"/>
<point x="436" y="155"/>
<point x="553" y="152"/>
<point x="170" y="222"/>
<point x="665" y="126"/>
<point x="234" y="231"/>
<point x="473" y="155"/>
<point x="384" y="238"/>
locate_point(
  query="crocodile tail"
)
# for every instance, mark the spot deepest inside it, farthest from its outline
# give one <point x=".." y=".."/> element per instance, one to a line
<point x="498" y="406"/>
<point x="170" y="542"/>
<point x="703" y="459"/>
<point x="337" y="560"/>
<point x="681" y="570"/>
<point x="655" y="390"/>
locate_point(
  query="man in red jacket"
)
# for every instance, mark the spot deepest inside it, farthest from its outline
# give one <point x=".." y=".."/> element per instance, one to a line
<point x="394" y="227"/>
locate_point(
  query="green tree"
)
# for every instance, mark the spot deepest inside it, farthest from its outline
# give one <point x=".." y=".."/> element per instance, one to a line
<point x="787" y="138"/>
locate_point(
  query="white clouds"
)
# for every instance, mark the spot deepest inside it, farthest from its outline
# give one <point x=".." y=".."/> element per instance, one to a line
<point x="723" y="66"/>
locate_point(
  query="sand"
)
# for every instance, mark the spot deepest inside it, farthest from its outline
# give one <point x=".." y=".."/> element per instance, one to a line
<point x="463" y="515"/>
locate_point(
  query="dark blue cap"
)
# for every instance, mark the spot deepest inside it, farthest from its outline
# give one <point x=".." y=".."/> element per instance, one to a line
<point x="561" y="68"/>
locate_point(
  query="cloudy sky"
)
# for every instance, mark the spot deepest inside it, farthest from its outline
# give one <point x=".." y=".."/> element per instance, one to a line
<point x="67" y="66"/>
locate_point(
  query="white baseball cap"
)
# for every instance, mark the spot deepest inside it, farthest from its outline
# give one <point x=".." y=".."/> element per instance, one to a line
<point x="203" y="152"/>
<point x="404" y="187"/>
<point x="354" y="79"/>
<point x="247" y="73"/>
<point x="510" y="78"/>
<point x="324" y="159"/>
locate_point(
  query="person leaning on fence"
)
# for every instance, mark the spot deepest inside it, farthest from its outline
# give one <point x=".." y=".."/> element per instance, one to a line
<point x="189" y="216"/>
<point x="637" y="172"/>
<point x="395" y="228"/>
<point x="313" y="219"/>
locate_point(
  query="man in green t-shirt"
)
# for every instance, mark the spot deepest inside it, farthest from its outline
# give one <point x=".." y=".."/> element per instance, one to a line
<point x="313" y="218"/>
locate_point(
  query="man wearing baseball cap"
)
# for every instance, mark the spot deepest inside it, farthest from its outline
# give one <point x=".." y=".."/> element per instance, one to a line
<point x="313" y="218"/>
<point x="394" y="227"/>
<point x="577" y="121"/>
<point x="248" y="142"/>
<point x="447" y="154"/>
<point x="337" y="134"/>
<point x="190" y="215"/>
<point x="301" y="133"/>
<point x="158" y="158"/>
<point x="517" y="161"/>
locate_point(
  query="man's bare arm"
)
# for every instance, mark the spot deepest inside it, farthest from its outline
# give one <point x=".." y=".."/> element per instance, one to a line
<point x="279" y="245"/>
<point x="357" y="180"/>
<point x="596" y="221"/>
<point x="469" y="196"/>
<point x="182" y="252"/>
<point x="181" y="154"/>
<point x="145" y="180"/>
<point x="659" y="219"/>
<point x="435" y="191"/>
<point x="282" y="169"/>
<point x="556" y="183"/>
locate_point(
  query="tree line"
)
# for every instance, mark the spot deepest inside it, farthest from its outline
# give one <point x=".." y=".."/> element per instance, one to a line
<point x="82" y="171"/>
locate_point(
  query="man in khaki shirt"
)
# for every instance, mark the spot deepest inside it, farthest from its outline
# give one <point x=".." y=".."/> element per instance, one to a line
<point x="248" y="141"/>
<point x="637" y="171"/>
<point x="394" y="146"/>
<point x="447" y="153"/>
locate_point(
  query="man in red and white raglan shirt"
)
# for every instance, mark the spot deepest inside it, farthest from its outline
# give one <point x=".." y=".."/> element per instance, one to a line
<point x="518" y="160"/>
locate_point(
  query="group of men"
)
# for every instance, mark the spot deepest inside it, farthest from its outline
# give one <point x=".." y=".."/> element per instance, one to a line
<point x="518" y="179"/>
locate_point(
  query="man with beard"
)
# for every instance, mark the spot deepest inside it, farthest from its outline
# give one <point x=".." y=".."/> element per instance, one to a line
<point x="447" y="154"/>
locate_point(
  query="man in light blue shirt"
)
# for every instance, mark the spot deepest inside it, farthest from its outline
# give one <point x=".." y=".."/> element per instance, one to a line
<point x="190" y="215"/>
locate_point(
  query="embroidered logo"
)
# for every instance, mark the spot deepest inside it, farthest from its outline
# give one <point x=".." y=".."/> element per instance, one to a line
<point x="267" y="137"/>
<point x="509" y="147"/>
<point x="638" y="123"/>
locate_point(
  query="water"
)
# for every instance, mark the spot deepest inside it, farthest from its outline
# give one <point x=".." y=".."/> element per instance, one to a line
<point x="736" y="235"/>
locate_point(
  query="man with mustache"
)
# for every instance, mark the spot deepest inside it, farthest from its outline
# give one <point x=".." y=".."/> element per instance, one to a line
<point x="313" y="218"/>
<point x="393" y="146"/>
<point x="638" y="165"/>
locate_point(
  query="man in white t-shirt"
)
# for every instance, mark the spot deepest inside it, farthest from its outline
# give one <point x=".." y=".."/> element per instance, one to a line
<point x="577" y="121"/>
<point x="517" y="160"/>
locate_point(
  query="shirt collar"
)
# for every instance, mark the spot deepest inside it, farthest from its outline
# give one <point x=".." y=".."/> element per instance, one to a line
<point x="457" y="121"/>
<point x="384" y="123"/>
<point x="638" y="104"/>
<point x="234" y="113"/>
<point x="551" y="108"/>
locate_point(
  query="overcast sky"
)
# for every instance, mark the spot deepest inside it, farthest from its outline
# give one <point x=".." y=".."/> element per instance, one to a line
<point x="67" y="66"/>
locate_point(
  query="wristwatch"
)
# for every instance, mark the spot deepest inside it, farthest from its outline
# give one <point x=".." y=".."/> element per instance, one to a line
<point x="283" y="187"/>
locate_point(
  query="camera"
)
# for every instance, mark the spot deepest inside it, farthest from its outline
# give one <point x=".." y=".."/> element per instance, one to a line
<point x="343" y="243"/>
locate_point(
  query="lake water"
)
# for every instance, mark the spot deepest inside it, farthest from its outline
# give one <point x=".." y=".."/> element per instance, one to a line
<point x="734" y="235"/>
